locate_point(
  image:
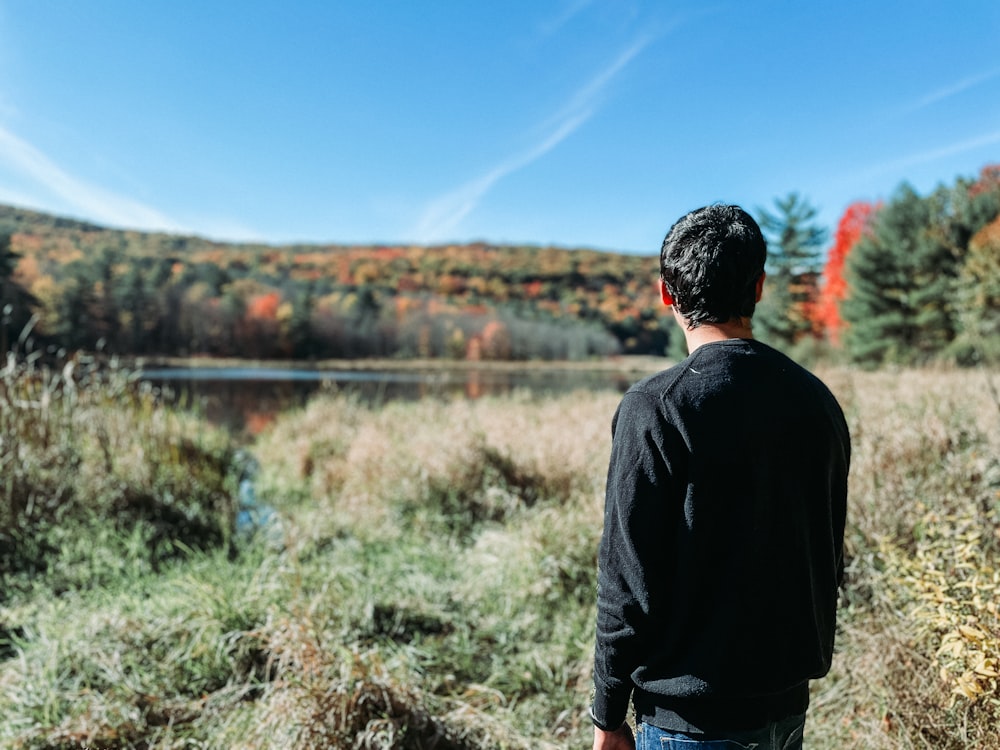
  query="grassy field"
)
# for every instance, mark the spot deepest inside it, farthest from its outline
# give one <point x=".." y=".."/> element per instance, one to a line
<point x="430" y="581"/>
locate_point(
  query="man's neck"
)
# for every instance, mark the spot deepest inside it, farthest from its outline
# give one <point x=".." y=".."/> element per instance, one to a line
<point x="707" y="333"/>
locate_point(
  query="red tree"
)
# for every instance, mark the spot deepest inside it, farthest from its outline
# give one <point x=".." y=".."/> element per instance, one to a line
<point x="264" y="306"/>
<point x="826" y="311"/>
<point x="989" y="180"/>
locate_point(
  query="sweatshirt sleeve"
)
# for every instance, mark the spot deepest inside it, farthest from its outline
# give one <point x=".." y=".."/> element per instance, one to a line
<point x="630" y="559"/>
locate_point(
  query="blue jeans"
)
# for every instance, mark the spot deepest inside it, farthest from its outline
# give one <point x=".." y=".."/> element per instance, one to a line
<point x="781" y="735"/>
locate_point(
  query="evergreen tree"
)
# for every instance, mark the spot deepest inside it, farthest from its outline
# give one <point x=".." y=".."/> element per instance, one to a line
<point x="300" y="331"/>
<point x="133" y="300"/>
<point x="900" y="277"/>
<point x="364" y="315"/>
<point x="16" y="303"/>
<point x="8" y="262"/>
<point x="77" y="323"/>
<point x="8" y="258"/>
<point x="104" y="275"/>
<point x="784" y="315"/>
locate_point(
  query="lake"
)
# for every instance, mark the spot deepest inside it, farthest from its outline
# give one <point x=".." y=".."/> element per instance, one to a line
<point x="244" y="399"/>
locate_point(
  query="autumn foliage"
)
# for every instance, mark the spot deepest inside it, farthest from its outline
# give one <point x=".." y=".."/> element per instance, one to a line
<point x="826" y="312"/>
<point x="70" y="286"/>
<point x="264" y="306"/>
<point x="989" y="180"/>
<point x="149" y="294"/>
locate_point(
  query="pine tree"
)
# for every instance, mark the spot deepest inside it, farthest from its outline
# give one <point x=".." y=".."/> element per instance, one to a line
<point x="900" y="276"/>
<point x="16" y="302"/>
<point x="104" y="275"/>
<point x="300" y="329"/>
<point x="132" y="300"/>
<point x="8" y="258"/>
<point x="77" y="321"/>
<point x="794" y="241"/>
<point x="8" y="261"/>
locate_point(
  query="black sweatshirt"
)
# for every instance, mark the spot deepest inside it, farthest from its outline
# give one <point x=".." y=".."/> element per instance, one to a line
<point x="723" y="537"/>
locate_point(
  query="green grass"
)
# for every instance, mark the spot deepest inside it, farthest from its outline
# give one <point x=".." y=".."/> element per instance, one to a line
<point x="434" y="580"/>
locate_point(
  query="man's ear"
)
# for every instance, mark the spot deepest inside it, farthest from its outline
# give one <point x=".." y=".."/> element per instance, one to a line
<point x="760" y="287"/>
<point x="665" y="295"/>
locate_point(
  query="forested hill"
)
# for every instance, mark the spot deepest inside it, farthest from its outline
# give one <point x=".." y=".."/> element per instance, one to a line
<point x="911" y="280"/>
<point x="144" y="293"/>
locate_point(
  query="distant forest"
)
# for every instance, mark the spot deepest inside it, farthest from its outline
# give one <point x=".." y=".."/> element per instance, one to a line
<point x="911" y="280"/>
<point x="137" y="293"/>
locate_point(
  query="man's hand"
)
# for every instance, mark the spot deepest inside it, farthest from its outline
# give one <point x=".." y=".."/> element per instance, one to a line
<point x="620" y="739"/>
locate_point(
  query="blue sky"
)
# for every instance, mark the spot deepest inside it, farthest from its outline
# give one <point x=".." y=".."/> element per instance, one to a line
<point x="571" y="122"/>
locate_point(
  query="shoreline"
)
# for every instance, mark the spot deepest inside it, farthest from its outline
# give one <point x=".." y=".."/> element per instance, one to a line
<point x="623" y="364"/>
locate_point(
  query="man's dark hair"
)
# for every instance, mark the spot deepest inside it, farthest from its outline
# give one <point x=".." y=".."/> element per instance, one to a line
<point x="710" y="262"/>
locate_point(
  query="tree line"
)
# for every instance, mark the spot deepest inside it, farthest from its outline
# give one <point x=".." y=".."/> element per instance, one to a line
<point x="910" y="280"/>
<point x="147" y="294"/>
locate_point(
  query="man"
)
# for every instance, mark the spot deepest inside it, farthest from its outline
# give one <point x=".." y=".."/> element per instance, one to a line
<point x="722" y="549"/>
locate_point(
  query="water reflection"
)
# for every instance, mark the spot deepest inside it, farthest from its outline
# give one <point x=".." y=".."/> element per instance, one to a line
<point x="247" y="399"/>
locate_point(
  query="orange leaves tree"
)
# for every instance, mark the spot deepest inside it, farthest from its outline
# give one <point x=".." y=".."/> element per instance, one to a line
<point x="833" y="290"/>
<point x="496" y="341"/>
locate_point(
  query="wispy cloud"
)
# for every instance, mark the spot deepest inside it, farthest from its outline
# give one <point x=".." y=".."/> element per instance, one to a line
<point x="933" y="154"/>
<point x="73" y="194"/>
<point x="445" y="213"/>
<point x="571" y="9"/>
<point x="947" y="92"/>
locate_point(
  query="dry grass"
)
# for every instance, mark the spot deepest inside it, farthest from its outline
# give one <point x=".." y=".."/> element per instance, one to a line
<point x="95" y="469"/>
<point x="436" y="579"/>
<point x="366" y="468"/>
<point x="919" y="631"/>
